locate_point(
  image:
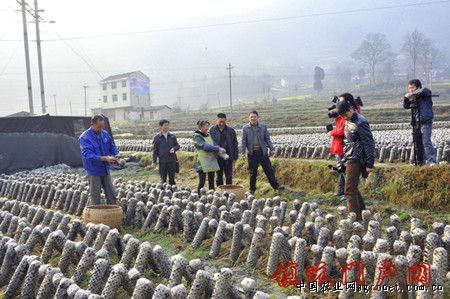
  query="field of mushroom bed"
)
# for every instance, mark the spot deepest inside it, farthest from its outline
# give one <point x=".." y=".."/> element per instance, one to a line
<point x="175" y="243"/>
<point x="393" y="143"/>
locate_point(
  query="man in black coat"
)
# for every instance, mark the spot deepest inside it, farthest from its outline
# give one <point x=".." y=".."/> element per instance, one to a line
<point x="165" y="146"/>
<point x="359" y="154"/>
<point x="225" y="137"/>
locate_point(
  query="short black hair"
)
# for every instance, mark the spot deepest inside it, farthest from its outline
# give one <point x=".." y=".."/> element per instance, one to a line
<point x="163" y="121"/>
<point x="343" y="107"/>
<point x="221" y="115"/>
<point x="202" y="122"/>
<point x="96" y="118"/>
<point x="348" y="97"/>
<point x="253" y="112"/>
<point x="415" y="82"/>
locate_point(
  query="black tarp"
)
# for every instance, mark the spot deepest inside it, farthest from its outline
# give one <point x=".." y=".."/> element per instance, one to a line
<point x="37" y="141"/>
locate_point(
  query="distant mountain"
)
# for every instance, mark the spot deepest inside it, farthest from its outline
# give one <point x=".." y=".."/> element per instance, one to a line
<point x="286" y="46"/>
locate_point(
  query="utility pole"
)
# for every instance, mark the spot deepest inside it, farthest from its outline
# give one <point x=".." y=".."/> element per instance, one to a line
<point x="70" y="107"/>
<point x="54" y="102"/>
<point x="229" y="78"/>
<point x="39" y="54"/>
<point x="27" y="57"/>
<point x="85" y="100"/>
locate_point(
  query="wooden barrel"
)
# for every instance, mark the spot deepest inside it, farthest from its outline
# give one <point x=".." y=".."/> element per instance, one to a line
<point x="111" y="215"/>
<point x="237" y="190"/>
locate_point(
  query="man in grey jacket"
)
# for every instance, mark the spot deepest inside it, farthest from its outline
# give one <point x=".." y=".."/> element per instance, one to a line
<point x="256" y="144"/>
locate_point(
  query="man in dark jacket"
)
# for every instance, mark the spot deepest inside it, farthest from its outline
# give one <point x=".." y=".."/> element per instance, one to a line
<point x="359" y="154"/>
<point x="256" y="144"/>
<point x="165" y="146"/>
<point x="225" y="137"/>
<point x="420" y="99"/>
<point x="98" y="152"/>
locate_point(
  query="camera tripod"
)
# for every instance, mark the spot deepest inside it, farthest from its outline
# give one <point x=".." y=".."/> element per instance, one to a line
<point x="417" y="136"/>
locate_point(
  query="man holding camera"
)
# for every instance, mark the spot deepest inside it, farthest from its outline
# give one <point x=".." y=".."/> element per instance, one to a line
<point x="337" y="135"/>
<point x="418" y="99"/>
<point x="359" y="154"/>
<point x="225" y="137"/>
<point x="165" y="146"/>
<point x="98" y="152"/>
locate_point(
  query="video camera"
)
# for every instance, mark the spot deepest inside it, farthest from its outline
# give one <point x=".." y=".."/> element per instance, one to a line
<point x="332" y="113"/>
<point x="340" y="167"/>
<point x="331" y="110"/>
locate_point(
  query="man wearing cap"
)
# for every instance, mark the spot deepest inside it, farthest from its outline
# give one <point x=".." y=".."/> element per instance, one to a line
<point x="359" y="154"/>
<point x="98" y="152"/>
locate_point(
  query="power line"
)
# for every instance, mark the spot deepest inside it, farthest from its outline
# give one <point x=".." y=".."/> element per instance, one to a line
<point x="9" y="59"/>
<point x="91" y="67"/>
<point x="342" y="12"/>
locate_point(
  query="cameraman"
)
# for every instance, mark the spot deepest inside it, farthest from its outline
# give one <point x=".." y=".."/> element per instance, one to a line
<point x="359" y="155"/>
<point x="337" y="136"/>
<point x="420" y="98"/>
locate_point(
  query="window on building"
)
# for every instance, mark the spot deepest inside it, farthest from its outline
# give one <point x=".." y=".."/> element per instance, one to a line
<point x="114" y="98"/>
<point x="124" y="83"/>
<point x="124" y="96"/>
<point x="105" y="99"/>
<point x="113" y="85"/>
<point x="104" y="86"/>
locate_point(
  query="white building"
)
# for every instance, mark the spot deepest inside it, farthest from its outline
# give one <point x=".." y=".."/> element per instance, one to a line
<point x="124" y="96"/>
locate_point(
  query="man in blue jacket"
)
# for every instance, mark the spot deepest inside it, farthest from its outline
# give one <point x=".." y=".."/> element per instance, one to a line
<point x="225" y="137"/>
<point x="420" y="98"/>
<point x="256" y="143"/>
<point x="98" y="153"/>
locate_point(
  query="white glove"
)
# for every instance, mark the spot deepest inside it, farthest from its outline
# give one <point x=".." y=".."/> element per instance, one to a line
<point x="224" y="156"/>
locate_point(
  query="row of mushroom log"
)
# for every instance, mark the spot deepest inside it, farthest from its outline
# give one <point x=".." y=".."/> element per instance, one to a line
<point x="252" y="232"/>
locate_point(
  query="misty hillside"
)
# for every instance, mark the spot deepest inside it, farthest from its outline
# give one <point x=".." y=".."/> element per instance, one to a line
<point x="291" y="48"/>
<point x="187" y="67"/>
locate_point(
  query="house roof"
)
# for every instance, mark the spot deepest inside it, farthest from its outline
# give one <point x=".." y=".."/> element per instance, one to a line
<point x="157" y="108"/>
<point x="20" y="113"/>
<point x="122" y="76"/>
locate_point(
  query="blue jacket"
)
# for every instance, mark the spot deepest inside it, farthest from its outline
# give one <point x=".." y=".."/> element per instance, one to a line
<point x="92" y="148"/>
<point x="423" y="100"/>
<point x="231" y="139"/>
<point x="359" y="143"/>
<point x="264" y="139"/>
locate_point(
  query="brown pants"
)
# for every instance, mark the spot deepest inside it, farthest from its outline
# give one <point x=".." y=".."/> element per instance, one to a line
<point x="355" y="201"/>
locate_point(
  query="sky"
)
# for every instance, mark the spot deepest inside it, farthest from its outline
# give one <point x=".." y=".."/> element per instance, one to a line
<point x="87" y="18"/>
<point x="103" y="38"/>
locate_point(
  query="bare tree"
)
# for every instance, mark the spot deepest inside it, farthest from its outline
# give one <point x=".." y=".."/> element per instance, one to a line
<point x="428" y="59"/>
<point x="414" y="47"/>
<point x="374" y="49"/>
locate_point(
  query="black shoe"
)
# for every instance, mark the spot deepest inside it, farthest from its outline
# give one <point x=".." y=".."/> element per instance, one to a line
<point x="342" y="199"/>
<point x="279" y="190"/>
